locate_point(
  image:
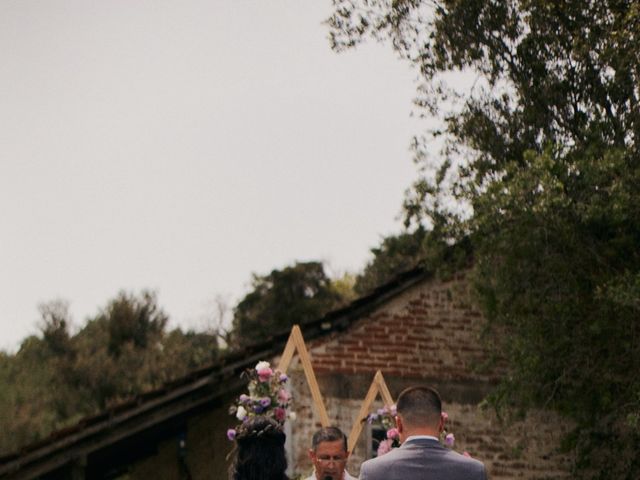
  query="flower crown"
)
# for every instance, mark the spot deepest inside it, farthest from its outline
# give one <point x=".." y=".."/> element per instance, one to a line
<point x="268" y="397"/>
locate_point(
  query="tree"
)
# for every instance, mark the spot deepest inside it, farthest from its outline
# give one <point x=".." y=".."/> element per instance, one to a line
<point x="540" y="169"/>
<point x="420" y="248"/>
<point x="27" y="410"/>
<point x="395" y="254"/>
<point x="133" y="320"/>
<point x="55" y="325"/>
<point x="293" y="295"/>
<point x="126" y="350"/>
<point x="56" y="379"/>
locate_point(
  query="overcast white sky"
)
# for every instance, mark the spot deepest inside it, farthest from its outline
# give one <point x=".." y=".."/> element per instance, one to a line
<point x="180" y="146"/>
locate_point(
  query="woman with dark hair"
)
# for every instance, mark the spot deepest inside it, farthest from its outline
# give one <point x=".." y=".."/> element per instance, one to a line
<point x="259" y="453"/>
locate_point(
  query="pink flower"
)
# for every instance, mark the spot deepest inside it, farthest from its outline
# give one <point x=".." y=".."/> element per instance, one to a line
<point x="231" y="434"/>
<point x="264" y="374"/>
<point x="384" y="447"/>
<point x="466" y="454"/>
<point x="283" y="396"/>
<point x="450" y="439"/>
<point x="393" y="433"/>
<point x="280" y="414"/>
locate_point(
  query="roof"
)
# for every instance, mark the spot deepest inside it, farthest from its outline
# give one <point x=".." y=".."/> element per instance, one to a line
<point x="185" y="396"/>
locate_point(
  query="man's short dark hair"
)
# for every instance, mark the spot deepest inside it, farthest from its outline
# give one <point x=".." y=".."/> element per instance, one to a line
<point x="419" y="406"/>
<point x="328" y="434"/>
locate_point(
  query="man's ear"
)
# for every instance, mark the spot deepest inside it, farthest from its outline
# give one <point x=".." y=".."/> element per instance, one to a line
<point x="441" y="424"/>
<point x="399" y="424"/>
<point x="312" y="454"/>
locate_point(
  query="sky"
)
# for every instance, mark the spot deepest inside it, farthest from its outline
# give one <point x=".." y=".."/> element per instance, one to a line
<point x="182" y="146"/>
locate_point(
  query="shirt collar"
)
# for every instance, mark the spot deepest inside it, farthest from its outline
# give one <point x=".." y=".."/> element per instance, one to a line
<point x="421" y="437"/>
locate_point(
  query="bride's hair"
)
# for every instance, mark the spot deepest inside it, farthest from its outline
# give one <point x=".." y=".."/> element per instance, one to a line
<point x="259" y="452"/>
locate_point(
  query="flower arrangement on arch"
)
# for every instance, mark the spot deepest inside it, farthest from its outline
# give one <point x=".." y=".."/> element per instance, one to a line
<point x="386" y="418"/>
<point x="268" y="396"/>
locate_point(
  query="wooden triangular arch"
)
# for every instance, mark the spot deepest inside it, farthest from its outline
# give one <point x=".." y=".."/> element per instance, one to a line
<point x="296" y="342"/>
<point x="378" y="385"/>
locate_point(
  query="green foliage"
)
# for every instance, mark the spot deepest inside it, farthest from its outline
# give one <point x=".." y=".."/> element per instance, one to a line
<point x="540" y="171"/>
<point x="133" y="321"/>
<point x="55" y="380"/>
<point x="400" y="253"/>
<point x="293" y="295"/>
<point x="396" y="254"/>
<point x="560" y="278"/>
<point x="344" y="287"/>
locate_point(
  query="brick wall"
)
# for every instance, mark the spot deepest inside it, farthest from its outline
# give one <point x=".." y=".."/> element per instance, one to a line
<point x="429" y="334"/>
<point x="431" y="331"/>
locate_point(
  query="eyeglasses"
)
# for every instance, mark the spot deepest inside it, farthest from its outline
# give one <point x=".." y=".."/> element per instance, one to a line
<point x="325" y="460"/>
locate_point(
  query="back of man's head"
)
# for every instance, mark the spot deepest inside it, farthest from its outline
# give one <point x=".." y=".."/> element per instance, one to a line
<point x="419" y="406"/>
<point x="328" y="434"/>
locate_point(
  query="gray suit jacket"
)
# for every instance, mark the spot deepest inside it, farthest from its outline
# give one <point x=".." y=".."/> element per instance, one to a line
<point x="422" y="459"/>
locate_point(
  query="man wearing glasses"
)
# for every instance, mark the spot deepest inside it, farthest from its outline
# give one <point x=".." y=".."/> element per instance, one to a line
<point x="329" y="455"/>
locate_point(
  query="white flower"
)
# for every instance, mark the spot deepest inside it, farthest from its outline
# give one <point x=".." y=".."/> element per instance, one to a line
<point x="262" y="366"/>
<point x="292" y="416"/>
<point x="241" y="413"/>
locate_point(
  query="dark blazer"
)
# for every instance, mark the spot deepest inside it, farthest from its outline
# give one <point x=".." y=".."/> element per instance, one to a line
<point x="422" y="459"/>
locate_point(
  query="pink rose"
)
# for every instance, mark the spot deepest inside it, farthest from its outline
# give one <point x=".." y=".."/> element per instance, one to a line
<point x="264" y="374"/>
<point x="280" y="414"/>
<point x="393" y="433"/>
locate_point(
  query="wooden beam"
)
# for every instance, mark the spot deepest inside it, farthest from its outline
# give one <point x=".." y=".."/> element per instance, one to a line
<point x="289" y="350"/>
<point x="378" y="386"/>
<point x="383" y="389"/>
<point x="296" y="342"/>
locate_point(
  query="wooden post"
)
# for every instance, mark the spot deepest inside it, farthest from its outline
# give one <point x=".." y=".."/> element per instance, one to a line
<point x="378" y="385"/>
<point x="296" y="342"/>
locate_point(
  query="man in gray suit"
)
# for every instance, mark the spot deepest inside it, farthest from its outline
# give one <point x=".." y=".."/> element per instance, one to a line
<point x="421" y="456"/>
